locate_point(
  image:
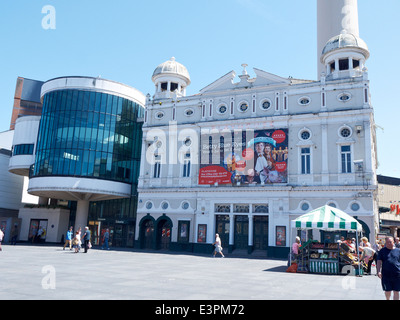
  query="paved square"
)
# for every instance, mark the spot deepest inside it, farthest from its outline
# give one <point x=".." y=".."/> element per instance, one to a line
<point x="48" y="272"/>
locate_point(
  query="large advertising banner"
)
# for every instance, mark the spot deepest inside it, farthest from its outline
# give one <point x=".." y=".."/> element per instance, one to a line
<point x="245" y="157"/>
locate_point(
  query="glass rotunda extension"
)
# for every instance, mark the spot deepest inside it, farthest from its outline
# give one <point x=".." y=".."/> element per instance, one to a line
<point x="89" y="142"/>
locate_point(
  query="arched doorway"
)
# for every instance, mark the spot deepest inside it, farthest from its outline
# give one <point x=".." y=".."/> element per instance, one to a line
<point x="164" y="231"/>
<point x="366" y="230"/>
<point x="147" y="234"/>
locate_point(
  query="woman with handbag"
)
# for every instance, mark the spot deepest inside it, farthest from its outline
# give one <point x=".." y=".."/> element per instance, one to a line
<point x="77" y="241"/>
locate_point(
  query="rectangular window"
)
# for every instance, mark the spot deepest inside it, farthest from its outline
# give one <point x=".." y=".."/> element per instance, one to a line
<point x="174" y="86"/>
<point x="305" y="161"/>
<point x="157" y="166"/>
<point x="241" y="208"/>
<point x="23" y="149"/>
<point x="186" y="166"/>
<point x="346" y="159"/>
<point x="344" y="64"/>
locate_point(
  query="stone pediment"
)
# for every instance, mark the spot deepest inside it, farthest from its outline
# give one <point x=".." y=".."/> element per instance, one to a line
<point x="268" y="79"/>
<point x="262" y="78"/>
<point x="223" y="83"/>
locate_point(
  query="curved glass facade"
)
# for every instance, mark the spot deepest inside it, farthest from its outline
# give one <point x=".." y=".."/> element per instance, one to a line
<point x="89" y="134"/>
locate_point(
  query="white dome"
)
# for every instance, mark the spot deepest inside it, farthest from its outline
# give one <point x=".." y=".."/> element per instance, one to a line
<point x="346" y="40"/>
<point x="171" y="67"/>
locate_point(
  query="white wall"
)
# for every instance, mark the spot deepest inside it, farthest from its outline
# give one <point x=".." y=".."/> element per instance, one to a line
<point x="58" y="218"/>
<point x="6" y="139"/>
<point x="10" y="186"/>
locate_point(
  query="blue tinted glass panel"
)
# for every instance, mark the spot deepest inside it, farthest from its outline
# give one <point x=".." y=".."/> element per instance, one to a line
<point x="89" y="134"/>
<point x="23" y="149"/>
<point x="98" y="102"/>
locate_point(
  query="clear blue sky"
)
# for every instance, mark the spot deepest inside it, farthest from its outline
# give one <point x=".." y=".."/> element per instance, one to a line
<point x="124" y="41"/>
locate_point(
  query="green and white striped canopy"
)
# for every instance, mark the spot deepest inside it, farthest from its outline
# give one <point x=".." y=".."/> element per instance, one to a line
<point x="327" y="217"/>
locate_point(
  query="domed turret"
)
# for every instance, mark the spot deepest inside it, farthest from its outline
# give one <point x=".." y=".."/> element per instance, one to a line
<point x="346" y="40"/>
<point x="344" y="55"/>
<point x="171" y="79"/>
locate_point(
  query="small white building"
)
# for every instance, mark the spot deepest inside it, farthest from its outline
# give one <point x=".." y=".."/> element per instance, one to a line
<point x="10" y="188"/>
<point x="242" y="158"/>
<point x="83" y="148"/>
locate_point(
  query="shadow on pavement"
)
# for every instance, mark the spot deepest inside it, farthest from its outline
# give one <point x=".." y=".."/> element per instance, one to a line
<point x="277" y="269"/>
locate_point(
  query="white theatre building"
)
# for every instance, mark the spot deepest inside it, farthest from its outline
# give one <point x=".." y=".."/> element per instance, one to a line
<point x="242" y="158"/>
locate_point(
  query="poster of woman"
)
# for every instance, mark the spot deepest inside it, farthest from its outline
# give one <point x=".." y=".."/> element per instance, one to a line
<point x="261" y="158"/>
<point x="270" y="161"/>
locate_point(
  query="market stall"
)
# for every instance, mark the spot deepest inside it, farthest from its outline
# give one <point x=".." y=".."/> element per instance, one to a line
<point x="331" y="258"/>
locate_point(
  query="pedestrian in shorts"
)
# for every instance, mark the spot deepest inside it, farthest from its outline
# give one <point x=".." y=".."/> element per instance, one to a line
<point x="388" y="269"/>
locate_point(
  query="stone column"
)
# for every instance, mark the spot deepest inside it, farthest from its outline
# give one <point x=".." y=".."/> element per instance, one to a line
<point x="251" y="228"/>
<point x="82" y="214"/>
<point x="231" y="232"/>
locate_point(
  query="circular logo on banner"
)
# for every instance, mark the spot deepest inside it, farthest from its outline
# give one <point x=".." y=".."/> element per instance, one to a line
<point x="240" y="165"/>
<point x="248" y="154"/>
<point x="279" y="136"/>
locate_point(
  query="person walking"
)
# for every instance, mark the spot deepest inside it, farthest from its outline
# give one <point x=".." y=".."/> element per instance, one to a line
<point x="376" y="246"/>
<point x="34" y="233"/>
<point x="397" y="242"/>
<point x="40" y="234"/>
<point x="218" y="246"/>
<point x="77" y="241"/>
<point x="68" y="238"/>
<point x="388" y="269"/>
<point x="1" y="238"/>
<point x="295" y="248"/>
<point x="14" y="235"/>
<point x="106" y="238"/>
<point x="86" y="239"/>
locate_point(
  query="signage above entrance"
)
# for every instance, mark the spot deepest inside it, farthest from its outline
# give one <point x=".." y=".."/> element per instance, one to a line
<point x="395" y="209"/>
